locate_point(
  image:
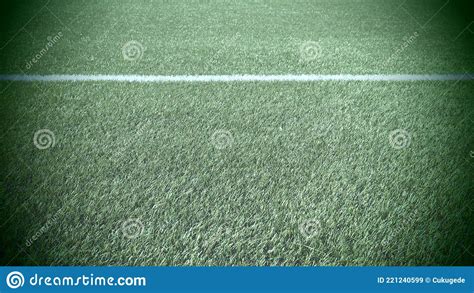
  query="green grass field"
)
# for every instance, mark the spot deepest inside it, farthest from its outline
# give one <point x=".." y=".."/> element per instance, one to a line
<point x="237" y="173"/>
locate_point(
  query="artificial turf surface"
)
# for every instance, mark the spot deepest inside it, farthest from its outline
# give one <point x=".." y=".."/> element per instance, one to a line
<point x="238" y="173"/>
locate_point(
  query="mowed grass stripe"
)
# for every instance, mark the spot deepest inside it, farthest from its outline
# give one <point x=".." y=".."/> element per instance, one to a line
<point x="237" y="78"/>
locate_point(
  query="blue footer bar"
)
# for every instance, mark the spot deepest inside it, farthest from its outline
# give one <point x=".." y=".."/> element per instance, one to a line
<point x="237" y="279"/>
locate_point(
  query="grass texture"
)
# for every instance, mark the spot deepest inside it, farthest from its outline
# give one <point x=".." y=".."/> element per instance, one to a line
<point x="324" y="173"/>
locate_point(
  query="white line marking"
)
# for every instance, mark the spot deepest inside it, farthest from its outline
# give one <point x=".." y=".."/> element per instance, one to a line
<point x="235" y="78"/>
